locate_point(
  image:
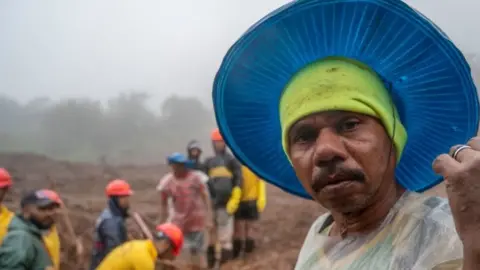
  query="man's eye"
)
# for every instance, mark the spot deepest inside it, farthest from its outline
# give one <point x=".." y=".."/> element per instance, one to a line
<point x="349" y="125"/>
<point x="305" y="135"/>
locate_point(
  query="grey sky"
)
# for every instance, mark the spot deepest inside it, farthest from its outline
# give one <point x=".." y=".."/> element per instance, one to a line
<point x="98" y="48"/>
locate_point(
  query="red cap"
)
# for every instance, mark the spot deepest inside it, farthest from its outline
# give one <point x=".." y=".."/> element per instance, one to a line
<point x="51" y="195"/>
<point x="174" y="234"/>
<point x="41" y="198"/>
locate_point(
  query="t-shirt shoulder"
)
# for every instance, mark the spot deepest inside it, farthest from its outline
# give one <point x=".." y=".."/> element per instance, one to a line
<point x="164" y="181"/>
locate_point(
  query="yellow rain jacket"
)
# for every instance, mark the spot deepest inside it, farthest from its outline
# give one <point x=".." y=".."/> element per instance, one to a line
<point x="132" y="255"/>
<point x="52" y="243"/>
<point x="5" y="218"/>
<point x="253" y="188"/>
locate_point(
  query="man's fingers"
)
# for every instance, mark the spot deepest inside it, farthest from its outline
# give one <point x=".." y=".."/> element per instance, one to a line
<point x="445" y="165"/>
<point x="474" y="143"/>
<point x="463" y="153"/>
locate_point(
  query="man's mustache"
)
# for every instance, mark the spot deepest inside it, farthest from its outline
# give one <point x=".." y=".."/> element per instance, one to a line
<point x="334" y="175"/>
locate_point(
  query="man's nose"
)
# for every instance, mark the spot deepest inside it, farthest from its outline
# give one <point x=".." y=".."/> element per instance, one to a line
<point x="329" y="149"/>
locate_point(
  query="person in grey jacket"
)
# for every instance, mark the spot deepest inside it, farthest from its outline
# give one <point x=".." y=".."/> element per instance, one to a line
<point x="23" y="247"/>
<point x="110" y="229"/>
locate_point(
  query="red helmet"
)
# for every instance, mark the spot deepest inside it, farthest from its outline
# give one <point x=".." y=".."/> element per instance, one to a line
<point x="174" y="234"/>
<point x="5" y="178"/>
<point x="118" y="187"/>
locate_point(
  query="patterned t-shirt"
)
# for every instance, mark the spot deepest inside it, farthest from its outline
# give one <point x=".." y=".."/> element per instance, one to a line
<point x="418" y="233"/>
<point x="185" y="195"/>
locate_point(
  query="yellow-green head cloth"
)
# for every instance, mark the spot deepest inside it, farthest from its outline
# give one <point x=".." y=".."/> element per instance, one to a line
<point x="339" y="84"/>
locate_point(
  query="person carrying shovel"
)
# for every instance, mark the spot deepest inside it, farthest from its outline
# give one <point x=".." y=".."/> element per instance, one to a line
<point x="23" y="247"/>
<point x="166" y="244"/>
<point x="110" y="228"/>
<point x="50" y="236"/>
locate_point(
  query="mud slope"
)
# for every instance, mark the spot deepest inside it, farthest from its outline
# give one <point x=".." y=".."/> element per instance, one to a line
<point x="281" y="229"/>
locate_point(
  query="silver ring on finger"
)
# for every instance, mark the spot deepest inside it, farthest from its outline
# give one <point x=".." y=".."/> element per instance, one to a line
<point x="458" y="150"/>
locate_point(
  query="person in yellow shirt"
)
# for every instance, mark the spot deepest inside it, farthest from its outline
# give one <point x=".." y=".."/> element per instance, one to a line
<point x="51" y="238"/>
<point x="143" y="254"/>
<point x="252" y="203"/>
<point x="5" y="214"/>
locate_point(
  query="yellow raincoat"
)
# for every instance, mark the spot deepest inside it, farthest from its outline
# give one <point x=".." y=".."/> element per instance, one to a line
<point x="132" y="255"/>
<point x="253" y="188"/>
<point x="5" y="218"/>
<point x="52" y="242"/>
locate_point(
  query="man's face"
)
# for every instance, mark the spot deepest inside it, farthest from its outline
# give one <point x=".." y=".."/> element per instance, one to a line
<point x="43" y="217"/>
<point x="165" y="251"/>
<point x="195" y="153"/>
<point x="124" y="202"/>
<point x="341" y="159"/>
<point x="177" y="168"/>
<point x="219" y="146"/>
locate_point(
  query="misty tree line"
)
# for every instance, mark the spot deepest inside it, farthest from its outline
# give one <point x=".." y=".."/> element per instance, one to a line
<point x="124" y="130"/>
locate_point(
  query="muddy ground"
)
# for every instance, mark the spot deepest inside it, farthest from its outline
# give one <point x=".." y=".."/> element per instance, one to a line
<point x="281" y="229"/>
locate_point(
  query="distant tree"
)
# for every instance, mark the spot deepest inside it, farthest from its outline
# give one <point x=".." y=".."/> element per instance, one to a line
<point x="71" y="128"/>
<point x="125" y="130"/>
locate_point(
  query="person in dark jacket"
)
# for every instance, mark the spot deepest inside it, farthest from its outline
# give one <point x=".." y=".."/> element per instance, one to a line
<point x="23" y="247"/>
<point x="225" y="177"/>
<point x="194" y="152"/>
<point x="110" y="229"/>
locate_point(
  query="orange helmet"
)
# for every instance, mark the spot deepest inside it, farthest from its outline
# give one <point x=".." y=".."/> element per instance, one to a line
<point x="118" y="187"/>
<point x="216" y="136"/>
<point x="5" y="178"/>
<point x="174" y="234"/>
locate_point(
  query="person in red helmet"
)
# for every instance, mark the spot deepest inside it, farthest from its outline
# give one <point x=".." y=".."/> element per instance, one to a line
<point x="110" y="229"/>
<point x="5" y="214"/>
<point x="166" y="244"/>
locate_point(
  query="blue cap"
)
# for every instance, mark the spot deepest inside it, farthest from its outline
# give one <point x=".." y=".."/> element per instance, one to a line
<point x="177" y="158"/>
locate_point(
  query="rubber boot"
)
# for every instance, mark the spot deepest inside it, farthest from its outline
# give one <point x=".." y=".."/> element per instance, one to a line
<point x="249" y="245"/>
<point x="226" y="256"/>
<point x="211" y="257"/>
<point x="237" y="248"/>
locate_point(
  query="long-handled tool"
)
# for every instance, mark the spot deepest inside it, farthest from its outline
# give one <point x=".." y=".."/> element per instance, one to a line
<point x="69" y="227"/>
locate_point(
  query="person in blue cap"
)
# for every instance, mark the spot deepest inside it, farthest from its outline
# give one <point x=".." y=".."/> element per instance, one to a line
<point x="191" y="207"/>
<point x="349" y="103"/>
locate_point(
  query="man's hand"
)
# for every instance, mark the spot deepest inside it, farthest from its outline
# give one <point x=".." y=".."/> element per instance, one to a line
<point x="462" y="179"/>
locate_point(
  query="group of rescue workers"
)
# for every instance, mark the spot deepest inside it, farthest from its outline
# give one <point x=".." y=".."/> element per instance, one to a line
<point x="206" y="217"/>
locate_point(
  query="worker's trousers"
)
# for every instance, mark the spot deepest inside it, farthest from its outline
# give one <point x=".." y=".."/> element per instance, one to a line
<point x="222" y="231"/>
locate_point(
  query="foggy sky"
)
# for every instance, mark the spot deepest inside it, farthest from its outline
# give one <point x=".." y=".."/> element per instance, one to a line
<point x="98" y="48"/>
